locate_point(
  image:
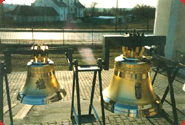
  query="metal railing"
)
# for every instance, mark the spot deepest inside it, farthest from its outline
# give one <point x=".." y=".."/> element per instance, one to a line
<point x="58" y="36"/>
<point x="23" y="53"/>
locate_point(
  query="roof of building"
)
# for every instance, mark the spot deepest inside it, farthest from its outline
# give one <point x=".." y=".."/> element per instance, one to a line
<point x="34" y="11"/>
<point x="105" y="17"/>
<point x="61" y="3"/>
<point x="79" y="5"/>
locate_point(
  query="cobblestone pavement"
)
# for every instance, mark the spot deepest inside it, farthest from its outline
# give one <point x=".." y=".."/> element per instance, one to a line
<point x="59" y="113"/>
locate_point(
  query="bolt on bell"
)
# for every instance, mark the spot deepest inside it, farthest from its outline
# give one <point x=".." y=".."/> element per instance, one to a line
<point x="41" y="85"/>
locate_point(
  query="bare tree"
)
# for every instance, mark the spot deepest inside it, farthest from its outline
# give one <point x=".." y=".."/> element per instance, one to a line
<point x="144" y="12"/>
<point x="93" y="5"/>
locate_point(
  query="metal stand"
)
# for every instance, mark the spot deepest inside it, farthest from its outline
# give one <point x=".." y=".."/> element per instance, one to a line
<point x="83" y="68"/>
<point x="171" y="69"/>
<point x="4" y="74"/>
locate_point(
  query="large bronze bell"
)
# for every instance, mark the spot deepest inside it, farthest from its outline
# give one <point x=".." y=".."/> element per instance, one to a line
<point x="130" y="91"/>
<point x="41" y="85"/>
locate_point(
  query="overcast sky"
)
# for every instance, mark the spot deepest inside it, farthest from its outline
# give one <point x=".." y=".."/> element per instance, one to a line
<point x="101" y="3"/>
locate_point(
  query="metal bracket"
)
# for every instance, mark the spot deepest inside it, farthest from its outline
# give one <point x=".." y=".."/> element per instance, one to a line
<point x="168" y="65"/>
<point x="83" y="68"/>
<point x="132" y="41"/>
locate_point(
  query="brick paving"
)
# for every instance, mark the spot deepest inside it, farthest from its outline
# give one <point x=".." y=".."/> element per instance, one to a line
<point x="59" y="113"/>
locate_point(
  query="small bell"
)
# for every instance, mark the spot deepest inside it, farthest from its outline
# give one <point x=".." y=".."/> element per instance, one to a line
<point x="41" y="85"/>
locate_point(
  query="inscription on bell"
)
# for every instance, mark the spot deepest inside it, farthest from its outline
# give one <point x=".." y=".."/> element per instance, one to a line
<point x="125" y="68"/>
<point x="138" y="90"/>
<point x="40" y="84"/>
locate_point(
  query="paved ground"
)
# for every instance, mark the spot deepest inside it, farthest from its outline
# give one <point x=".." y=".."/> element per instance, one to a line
<point x="59" y="113"/>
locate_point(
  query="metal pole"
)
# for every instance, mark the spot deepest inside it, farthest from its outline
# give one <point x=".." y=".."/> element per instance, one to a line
<point x="78" y="93"/>
<point x="73" y="93"/>
<point x="172" y="96"/>
<point x="101" y="95"/>
<point x="1" y="91"/>
<point x="8" y="98"/>
<point x="92" y="37"/>
<point x="172" y="80"/>
<point x="32" y="32"/>
<point x="92" y="92"/>
<point x="63" y="36"/>
<point x="8" y="61"/>
<point x="116" y="26"/>
<point x="33" y="36"/>
<point x="158" y="67"/>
